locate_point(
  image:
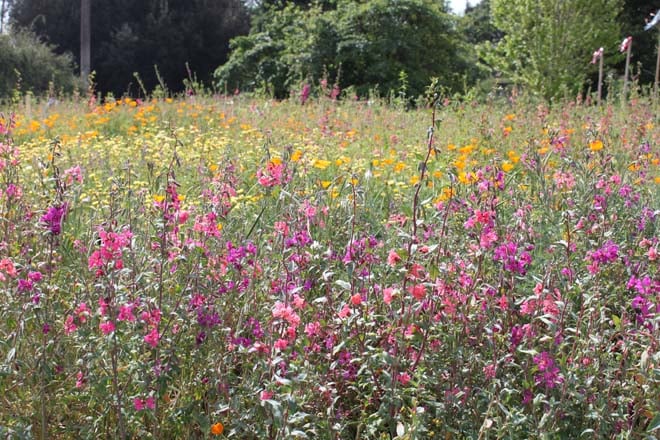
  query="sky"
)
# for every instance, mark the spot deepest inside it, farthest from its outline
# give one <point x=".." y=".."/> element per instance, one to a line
<point x="458" y="6"/>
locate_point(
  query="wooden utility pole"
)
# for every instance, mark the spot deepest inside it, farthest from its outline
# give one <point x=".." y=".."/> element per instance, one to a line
<point x="657" y="70"/>
<point x="85" y="39"/>
<point x="3" y="11"/>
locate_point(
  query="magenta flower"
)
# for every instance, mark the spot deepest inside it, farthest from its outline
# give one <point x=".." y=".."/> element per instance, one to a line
<point x="548" y="374"/>
<point x="152" y="338"/>
<point x="53" y="219"/>
<point x="107" y="327"/>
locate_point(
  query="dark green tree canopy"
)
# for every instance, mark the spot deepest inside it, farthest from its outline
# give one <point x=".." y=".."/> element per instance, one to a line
<point x="375" y="44"/>
<point x="134" y="36"/>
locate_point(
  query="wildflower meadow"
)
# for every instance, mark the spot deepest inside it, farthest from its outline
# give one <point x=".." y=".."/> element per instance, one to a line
<point x="239" y="267"/>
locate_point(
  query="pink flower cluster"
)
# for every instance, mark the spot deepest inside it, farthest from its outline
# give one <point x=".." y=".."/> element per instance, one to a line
<point x="109" y="255"/>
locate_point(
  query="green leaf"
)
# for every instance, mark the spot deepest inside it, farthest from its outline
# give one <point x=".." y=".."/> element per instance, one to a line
<point x="655" y="423"/>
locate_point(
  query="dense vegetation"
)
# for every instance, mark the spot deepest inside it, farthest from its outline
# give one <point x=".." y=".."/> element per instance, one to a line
<point x="372" y="47"/>
<point x="340" y="269"/>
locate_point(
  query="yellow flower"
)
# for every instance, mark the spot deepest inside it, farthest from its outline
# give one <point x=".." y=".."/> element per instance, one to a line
<point x="321" y="164"/>
<point x="596" y="145"/>
<point x="507" y="166"/>
<point x="295" y="157"/>
<point x="217" y="428"/>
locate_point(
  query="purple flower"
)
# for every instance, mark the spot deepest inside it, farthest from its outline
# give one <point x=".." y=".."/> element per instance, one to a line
<point x="548" y="375"/>
<point x="53" y="218"/>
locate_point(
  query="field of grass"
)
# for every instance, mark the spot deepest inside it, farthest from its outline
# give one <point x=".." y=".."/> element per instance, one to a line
<point x="232" y="267"/>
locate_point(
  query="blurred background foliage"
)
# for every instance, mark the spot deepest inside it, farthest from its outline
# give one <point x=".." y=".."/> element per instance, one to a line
<point x="391" y="48"/>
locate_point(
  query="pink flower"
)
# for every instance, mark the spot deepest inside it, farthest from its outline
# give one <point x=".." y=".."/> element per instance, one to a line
<point x="150" y="402"/>
<point x="404" y="378"/>
<point x="356" y="299"/>
<point x="282" y="228"/>
<point x="281" y="344"/>
<point x="393" y="258"/>
<point x="387" y="295"/>
<point x="126" y="313"/>
<point x="313" y="329"/>
<point x="490" y="371"/>
<point x="266" y="395"/>
<point x="304" y="93"/>
<point x="73" y="174"/>
<point x="418" y="291"/>
<point x="298" y="301"/>
<point x="138" y="404"/>
<point x="344" y="312"/>
<point x="107" y="327"/>
<point x="274" y="174"/>
<point x="286" y="312"/>
<point x="7" y="266"/>
<point x="69" y="325"/>
<point x="488" y="237"/>
<point x="152" y="338"/>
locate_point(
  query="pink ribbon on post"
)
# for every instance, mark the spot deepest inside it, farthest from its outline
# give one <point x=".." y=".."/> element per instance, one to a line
<point x="597" y="55"/>
<point x="625" y="44"/>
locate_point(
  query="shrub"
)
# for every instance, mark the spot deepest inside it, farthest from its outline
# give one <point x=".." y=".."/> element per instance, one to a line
<point x="28" y="64"/>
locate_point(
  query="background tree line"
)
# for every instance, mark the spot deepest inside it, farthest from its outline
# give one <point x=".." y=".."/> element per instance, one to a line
<point x="388" y="47"/>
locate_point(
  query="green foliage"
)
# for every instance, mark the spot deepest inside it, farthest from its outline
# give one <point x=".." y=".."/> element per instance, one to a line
<point x="27" y="64"/>
<point x="129" y="36"/>
<point x="477" y="24"/>
<point x="365" y="45"/>
<point x="548" y="43"/>
<point x="285" y="46"/>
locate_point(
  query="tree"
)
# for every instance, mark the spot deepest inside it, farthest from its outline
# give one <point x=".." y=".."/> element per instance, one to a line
<point x="376" y="44"/>
<point x="547" y="44"/>
<point x="477" y="24"/>
<point x="134" y="36"/>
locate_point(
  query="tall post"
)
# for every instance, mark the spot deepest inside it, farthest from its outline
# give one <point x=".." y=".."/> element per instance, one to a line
<point x="627" y="46"/>
<point x="3" y="3"/>
<point x="600" y="77"/>
<point x="657" y="70"/>
<point x="85" y="39"/>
